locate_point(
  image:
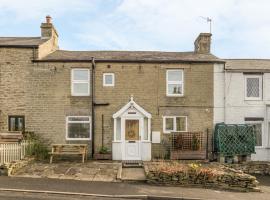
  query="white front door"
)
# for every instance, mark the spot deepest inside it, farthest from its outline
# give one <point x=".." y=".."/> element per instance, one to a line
<point x="132" y="149"/>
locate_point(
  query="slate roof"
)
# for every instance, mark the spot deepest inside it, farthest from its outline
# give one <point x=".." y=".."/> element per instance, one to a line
<point x="130" y="56"/>
<point x="21" y="41"/>
<point x="247" y="64"/>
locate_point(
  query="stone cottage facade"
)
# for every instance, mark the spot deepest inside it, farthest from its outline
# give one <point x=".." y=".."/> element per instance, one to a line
<point x="122" y="100"/>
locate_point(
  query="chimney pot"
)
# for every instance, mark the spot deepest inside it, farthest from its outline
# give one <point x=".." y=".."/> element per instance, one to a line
<point x="48" y="19"/>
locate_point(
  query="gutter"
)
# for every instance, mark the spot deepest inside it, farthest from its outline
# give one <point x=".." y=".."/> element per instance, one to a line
<point x="132" y="61"/>
<point x="93" y="66"/>
<point x="19" y="46"/>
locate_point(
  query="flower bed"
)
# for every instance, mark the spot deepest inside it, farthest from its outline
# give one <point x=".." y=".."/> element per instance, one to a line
<point x="206" y="175"/>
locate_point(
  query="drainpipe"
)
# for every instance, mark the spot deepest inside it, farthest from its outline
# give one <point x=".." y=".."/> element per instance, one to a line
<point x="93" y="66"/>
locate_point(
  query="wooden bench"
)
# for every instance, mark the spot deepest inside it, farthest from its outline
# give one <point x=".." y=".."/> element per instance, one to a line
<point x="69" y="149"/>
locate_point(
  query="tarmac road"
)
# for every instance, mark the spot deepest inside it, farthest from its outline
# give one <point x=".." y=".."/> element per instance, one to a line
<point x="113" y="188"/>
<point x="34" y="196"/>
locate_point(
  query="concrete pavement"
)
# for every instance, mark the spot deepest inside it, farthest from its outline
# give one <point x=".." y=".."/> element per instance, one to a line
<point x="129" y="188"/>
<point x="5" y="195"/>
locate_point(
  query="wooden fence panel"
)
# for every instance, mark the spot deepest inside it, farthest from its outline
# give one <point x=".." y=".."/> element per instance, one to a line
<point x="12" y="151"/>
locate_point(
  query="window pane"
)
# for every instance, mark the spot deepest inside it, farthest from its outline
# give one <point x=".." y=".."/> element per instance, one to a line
<point x="174" y="88"/>
<point x="12" y="124"/>
<point x="78" y="119"/>
<point x="174" y="75"/>
<point x="180" y="124"/>
<point x="258" y="134"/>
<point x="145" y="134"/>
<point x="118" y="129"/>
<point x="79" y="130"/>
<point x="80" y="88"/>
<point x="169" y="124"/>
<point x="80" y="75"/>
<point x="20" y="124"/>
<point x="108" y="79"/>
<point x="253" y="87"/>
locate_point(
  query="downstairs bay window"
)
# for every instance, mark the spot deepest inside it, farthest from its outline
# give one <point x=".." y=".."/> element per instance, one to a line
<point x="78" y="128"/>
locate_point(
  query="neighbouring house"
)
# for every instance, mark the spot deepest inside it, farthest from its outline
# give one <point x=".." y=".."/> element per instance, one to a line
<point x="242" y="93"/>
<point x="127" y="101"/>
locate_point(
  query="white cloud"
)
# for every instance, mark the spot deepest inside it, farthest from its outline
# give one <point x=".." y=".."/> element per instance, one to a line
<point x="240" y="27"/>
<point x="22" y="10"/>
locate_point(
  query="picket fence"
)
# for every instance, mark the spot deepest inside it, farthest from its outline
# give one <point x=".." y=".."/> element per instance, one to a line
<point x="12" y="151"/>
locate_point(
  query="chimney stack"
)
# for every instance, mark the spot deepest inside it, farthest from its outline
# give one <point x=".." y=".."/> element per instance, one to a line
<point x="203" y="43"/>
<point x="47" y="29"/>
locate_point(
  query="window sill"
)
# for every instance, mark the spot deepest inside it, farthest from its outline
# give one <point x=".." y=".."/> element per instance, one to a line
<point x="167" y="95"/>
<point x="253" y="99"/>
<point x="77" y="139"/>
<point x="117" y="141"/>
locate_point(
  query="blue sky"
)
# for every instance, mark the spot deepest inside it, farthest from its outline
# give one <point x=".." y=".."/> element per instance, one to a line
<point x="241" y="28"/>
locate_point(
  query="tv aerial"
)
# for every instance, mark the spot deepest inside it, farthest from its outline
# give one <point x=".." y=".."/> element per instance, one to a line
<point x="208" y="20"/>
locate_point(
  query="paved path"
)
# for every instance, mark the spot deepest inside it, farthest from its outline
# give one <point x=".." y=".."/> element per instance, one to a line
<point x="129" y="188"/>
<point x="89" y="171"/>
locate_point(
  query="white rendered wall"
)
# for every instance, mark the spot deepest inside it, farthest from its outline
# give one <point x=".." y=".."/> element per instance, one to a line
<point x="219" y="93"/>
<point x="237" y="108"/>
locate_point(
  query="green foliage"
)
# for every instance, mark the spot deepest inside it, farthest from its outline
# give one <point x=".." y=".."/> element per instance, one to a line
<point x="37" y="146"/>
<point x="103" y="150"/>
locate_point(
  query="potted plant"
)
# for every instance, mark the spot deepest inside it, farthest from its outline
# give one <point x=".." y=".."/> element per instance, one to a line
<point x="103" y="154"/>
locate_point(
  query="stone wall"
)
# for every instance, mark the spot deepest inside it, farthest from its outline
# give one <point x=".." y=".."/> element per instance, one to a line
<point x="42" y="93"/>
<point x="204" y="175"/>
<point x="253" y="167"/>
<point x="39" y="91"/>
<point x="147" y="84"/>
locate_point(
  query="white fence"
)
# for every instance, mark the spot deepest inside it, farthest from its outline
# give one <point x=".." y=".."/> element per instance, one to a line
<point x="12" y="151"/>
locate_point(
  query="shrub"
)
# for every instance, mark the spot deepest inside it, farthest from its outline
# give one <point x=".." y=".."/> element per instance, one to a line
<point x="103" y="150"/>
<point x="37" y="146"/>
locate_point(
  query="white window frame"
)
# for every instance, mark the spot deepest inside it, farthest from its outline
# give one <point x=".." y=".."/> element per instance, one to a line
<point x="80" y="81"/>
<point x="174" y="124"/>
<point x="78" y="122"/>
<point x="262" y="124"/>
<point x="260" y="87"/>
<point x="104" y="79"/>
<point x="174" y="82"/>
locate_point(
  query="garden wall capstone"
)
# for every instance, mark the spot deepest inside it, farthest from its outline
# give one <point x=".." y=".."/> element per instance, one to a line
<point x="205" y="175"/>
<point x="253" y="167"/>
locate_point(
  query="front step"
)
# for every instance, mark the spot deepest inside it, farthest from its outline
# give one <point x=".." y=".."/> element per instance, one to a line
<point x="132" y="164"/>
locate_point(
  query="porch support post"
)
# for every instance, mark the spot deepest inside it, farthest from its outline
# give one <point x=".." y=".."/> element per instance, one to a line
<point x="149" y="128"/>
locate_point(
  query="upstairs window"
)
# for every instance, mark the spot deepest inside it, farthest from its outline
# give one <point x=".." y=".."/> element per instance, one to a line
<point x="253" y="87"/>
<point x="174" y="124"/>
<point x="108" y="79"/>
<point x="80" y="79"/>
<point x="16" y="123"/>
<point x="175" y="83"/>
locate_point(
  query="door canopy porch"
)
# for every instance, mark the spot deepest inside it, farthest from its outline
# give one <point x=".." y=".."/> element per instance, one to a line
<point x="132" y="128"/>
<point x="132" y="105"/>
